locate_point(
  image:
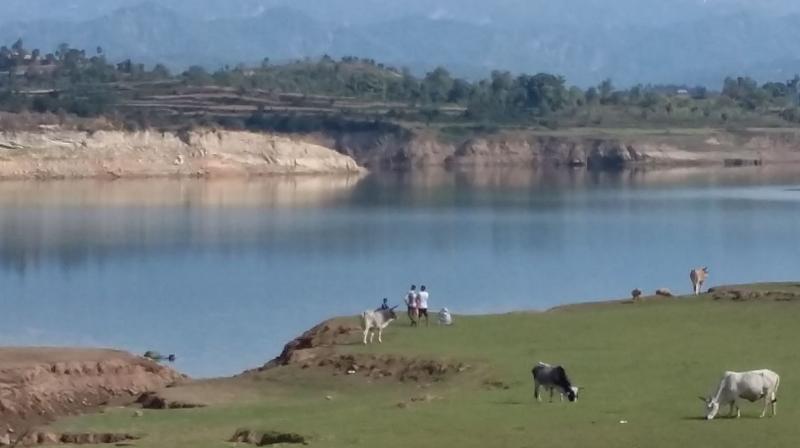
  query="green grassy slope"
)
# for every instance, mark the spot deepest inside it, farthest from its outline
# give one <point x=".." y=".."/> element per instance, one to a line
<point x="642" y="363"/>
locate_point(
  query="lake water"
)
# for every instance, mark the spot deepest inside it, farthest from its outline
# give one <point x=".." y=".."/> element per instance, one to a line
<point x="223" y="273"/>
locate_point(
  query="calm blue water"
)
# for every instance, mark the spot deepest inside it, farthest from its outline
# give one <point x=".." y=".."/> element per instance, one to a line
<point x="222" y="273"/>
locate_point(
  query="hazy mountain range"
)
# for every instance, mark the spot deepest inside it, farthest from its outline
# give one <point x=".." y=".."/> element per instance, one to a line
<point x="630" y="41"/>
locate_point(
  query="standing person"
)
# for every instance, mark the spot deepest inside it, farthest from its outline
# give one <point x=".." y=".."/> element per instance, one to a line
<point x="411" y="301"/>
<point x="422" y="303"/>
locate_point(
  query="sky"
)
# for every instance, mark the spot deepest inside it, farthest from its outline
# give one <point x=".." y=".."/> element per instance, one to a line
<point x="359" y="11"/>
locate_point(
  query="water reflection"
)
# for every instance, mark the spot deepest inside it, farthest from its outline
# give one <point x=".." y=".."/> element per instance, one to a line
<point x="223" y="272"/>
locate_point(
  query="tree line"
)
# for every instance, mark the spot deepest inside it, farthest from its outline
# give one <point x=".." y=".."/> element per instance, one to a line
<point x="85" y="83"/>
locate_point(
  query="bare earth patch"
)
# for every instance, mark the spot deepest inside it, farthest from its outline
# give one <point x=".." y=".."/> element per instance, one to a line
<point x="38" y="385"/>
<point x="50" y="439"/>
<point x="777" y="293"/>
<point x="316" y="348"/>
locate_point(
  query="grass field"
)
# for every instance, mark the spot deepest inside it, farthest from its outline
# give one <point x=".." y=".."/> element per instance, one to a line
<point x="642" y="363"/>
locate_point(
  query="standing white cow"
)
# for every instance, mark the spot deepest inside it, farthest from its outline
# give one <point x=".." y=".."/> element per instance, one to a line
<point x="751" y="386"/>
<point x="376" y="320"/>
<point x="698" y="277"/>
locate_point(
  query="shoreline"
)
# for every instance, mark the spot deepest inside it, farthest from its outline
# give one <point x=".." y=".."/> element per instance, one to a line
<point x="44" y="384"/>
<point x="56" y="153"/>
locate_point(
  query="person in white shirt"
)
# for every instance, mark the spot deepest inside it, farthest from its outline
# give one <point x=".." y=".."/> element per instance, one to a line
<point x="422" y="304"/>
<point x="411" y="302"/>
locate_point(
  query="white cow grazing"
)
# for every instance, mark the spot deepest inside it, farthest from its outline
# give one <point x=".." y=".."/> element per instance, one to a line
<point x="698" y="277"/>
<point x="751" y="386"/>
<point x="376" y="320"/>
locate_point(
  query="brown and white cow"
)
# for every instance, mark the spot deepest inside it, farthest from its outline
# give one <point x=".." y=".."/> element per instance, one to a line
<point x="698" y="277"/>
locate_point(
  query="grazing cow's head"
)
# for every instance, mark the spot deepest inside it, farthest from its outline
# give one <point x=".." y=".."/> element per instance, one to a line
<point x="572" y="394"/>
<point x="712" y="407"/>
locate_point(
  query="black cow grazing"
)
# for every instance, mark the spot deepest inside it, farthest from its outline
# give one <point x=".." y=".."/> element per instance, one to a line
<point x="553" y="377"/>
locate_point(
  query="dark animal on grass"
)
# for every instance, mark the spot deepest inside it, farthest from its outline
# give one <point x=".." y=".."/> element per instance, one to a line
<point x="553" y="378"/>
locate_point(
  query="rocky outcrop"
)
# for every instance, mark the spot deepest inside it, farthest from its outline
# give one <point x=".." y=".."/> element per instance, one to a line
<point x="319" y="338"/>
<point x="575" y="148"/>
<point x="38" y="385"/>
<point x="54" y="153"/>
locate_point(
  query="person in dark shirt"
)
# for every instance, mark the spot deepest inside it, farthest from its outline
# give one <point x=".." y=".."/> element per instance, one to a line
<point x="384" y="305"/>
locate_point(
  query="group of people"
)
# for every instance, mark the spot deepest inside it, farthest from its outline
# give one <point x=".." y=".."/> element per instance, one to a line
<point x="417" y="305"/>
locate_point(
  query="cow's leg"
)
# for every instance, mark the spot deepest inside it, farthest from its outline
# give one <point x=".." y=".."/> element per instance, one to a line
<point x="380" y="334"/>
<point x="371" y="336"/>
<point x="774" y="400"/>
<point x="551" y="394"/>
<point x="536" y="392"/>
<point x="366" y="330"/>
<point x="766" y="405"/>
<point x="730" y="413"/>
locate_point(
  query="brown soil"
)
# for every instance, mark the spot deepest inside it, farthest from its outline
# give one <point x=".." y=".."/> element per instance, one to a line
<point x="316" y="348"/>
<point x="739" y="295"/>
<point x="58" y="153"/>
<point x="50" y="439"/>
<point x="38" y="385"/>
<point x="316" y="342"/>
<point x="400" y="368"/>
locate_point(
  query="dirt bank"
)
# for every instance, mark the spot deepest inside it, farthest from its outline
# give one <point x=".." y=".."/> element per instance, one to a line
<point x="323" y="347"/>
<point x="52" y="152"/>
<point x="578" y="148"/>
<point x="38" y="385"/>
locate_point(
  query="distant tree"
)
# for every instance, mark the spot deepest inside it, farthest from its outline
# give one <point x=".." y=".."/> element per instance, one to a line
<point x="437" y="85"/>
<point x="635" y="94"/>
<point x="592" y="96"/>
<point x="160" y="71"/>
<point x="197" y="75"/>
<point x="605" y="89"/>
<point x="543" y="92"/>
<point x="699" y="93"/>
<point x="18" y="47"/>
<point x="62" y="50"/>
<point x="459" y="92"/>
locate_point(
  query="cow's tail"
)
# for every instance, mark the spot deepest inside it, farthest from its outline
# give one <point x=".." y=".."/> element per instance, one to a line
<point x="363" y="318"/>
